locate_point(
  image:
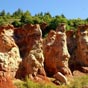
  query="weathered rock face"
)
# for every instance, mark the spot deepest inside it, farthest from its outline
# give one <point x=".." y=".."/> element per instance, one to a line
<point x="55" y="48"/>
<point x="34" y="60"/>
<point x="25" y="37"/>
<point x="9" y="53"/>
<point x="71" y="41"/>
<point x="6" y="82"/>
<point x="56" y="52"/>
<point x="72" y="46"/>
<point x="31" y="39"/>
<point x="82" y="45"/>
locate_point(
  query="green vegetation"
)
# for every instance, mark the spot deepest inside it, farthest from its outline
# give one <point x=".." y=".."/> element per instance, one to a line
<point x="19" y="18"/>
<point x="25" y="17"/>
<point x="30" y="84"/>
<point x="78" y="82"/>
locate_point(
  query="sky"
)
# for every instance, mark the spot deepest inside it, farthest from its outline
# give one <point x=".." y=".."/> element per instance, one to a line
<point x="70" y="8"/>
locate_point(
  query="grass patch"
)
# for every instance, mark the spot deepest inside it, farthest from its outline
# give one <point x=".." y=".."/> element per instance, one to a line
<point x="30" y="84"/>
<point x="79" y="82"/>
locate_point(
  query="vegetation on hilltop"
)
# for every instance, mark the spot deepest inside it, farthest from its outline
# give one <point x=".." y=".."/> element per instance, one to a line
<point x="19" y="18"/>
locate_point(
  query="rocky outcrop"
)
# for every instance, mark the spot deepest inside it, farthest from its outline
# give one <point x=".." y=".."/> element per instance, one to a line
<point x="25" y="37"/>
<point x="56" y="52"/>
<point x="6" y="82"/>
<point x="9" y="53"/>
<point x="71" y="41"/>
<point x="53" y="54"/>
<point x="82" y="45"/>
<point x="72" y="46"/>
<point x="79" y="56"/>
<point x="33" y="60"/>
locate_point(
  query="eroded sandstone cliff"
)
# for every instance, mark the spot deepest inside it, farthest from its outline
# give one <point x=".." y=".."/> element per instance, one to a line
<point x="23" y="52"/>
<point x="30" y="43"/>
<point x="9" y="57"/>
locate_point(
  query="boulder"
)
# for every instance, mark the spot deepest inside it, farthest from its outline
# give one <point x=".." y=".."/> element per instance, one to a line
<point x="60" y="77"/>
<point x="56" y="52"/>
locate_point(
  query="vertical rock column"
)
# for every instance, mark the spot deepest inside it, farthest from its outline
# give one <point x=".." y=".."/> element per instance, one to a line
<point x="56" y="52"/>
<point x="33" y="60"/>
<point x="82" y="45"/>
<point x="9" y="57"/>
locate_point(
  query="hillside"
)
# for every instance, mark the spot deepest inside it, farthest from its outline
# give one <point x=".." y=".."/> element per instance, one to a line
<point x="42" y="48"/>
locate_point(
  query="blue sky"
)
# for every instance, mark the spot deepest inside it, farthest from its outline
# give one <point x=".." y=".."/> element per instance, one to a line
<point x="70" y="8"/>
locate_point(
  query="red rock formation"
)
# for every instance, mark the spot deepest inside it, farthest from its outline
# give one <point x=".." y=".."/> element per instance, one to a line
<point x="79" y="58"/>
<point x="56" y="52"/>
<point x="33" y="49"/>
<point x="24" y="35"/>
<point x="6" y="27"/>
<point x="72" y="45"/>
<point x="9" y="57"/>
<point x="30" y="43"/>
<point x="9" y="53"/>
<point x="71" y="41"/>
<point x="82" y="45"/>
<point x="6" y="82"/>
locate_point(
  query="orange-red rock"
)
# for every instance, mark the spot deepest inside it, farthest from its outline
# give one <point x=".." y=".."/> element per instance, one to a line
<point x="25" y="37"/>
<point x="30" y="43"/>
<point x="50" y="54"/>
<point x="56" y="52"/>
<point x="6" y="82"/>
<point x="9" y="53"/>
<point x="82" y="45"/>
<point x="79" y="57"/>
<point x="71" y="41"/>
